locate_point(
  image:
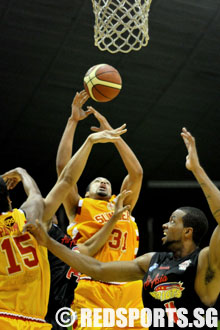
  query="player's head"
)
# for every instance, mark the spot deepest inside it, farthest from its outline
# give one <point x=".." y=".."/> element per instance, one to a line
<point x="5" y="203"/>
<point x="196" y="219"/>
<point x="100" y="188"/>
<point x="186" y="223"/>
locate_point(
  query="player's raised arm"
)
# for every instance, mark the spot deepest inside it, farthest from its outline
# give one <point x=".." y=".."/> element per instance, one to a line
<point x="105" y="271"/>
<point x="74" y="168"/>
<point x="211" y="192"/>
<point x="33" y="206"/>
<point x="64" y="152"/>
<point x="207" y="283"/>
<point x="134" y="178"/>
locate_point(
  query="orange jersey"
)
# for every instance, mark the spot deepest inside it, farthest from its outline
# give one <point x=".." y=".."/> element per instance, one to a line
<point x="24" y="269"/>
<point x="122" y="245"/>
<point x="92" y="215"/>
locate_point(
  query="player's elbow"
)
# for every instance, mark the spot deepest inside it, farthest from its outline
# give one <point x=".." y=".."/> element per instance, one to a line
<point x="59" y="167"/>
<point x="138" y="173"/>
<point x="66" y="176"/>
<point x="68" y="179"/>
<point x="99" y="271"/>
<point x="84" y="249"/>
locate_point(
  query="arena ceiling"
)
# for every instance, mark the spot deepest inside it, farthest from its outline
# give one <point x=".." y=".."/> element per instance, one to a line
<point x="46" y="48"/>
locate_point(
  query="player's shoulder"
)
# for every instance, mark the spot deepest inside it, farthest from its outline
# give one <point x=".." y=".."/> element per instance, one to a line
<point x="144" y="261"/>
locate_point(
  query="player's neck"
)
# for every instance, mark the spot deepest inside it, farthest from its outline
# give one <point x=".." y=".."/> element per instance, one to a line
<point x="102" y="198"/>
<point x="184" y="250"/>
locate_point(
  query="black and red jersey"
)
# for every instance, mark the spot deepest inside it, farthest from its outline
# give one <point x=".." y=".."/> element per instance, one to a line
<point x="63" y="278"/>
<point x="169" y="283"/>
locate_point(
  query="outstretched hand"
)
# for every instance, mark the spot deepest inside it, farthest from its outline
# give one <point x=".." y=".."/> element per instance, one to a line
<point x="108" y="136"/>
<point x="38" y="231"/>
<point x="119" y="208"/>
<point x="11" y="178"/>
<point x="77" y="112"/>
<point x="104" y="124"/>
<point x="192" y="160"/>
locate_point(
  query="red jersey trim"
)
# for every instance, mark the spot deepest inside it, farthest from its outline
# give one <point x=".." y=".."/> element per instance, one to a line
<point x="21" y="317"/>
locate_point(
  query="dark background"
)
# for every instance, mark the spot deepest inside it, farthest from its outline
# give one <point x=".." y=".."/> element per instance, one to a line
<point x="46" y="47"/>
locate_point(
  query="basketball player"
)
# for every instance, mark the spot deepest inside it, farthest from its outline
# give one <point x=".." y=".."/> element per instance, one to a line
<point x="63" y="278"/>
<point x="25" y="274"/>
<point x="185" y="276"/>
<point x="24" y="268"/>
<point x="87" y="215"/>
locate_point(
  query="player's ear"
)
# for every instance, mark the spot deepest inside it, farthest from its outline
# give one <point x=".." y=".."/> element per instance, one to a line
<point x="87" y="194"/>
<point x="188" y="231"/>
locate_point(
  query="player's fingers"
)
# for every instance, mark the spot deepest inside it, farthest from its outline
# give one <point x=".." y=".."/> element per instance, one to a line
<point x="121" y="132"/>
<point x="11" y="183"/>
<point x="29" y="227"/>
<point x="76" y="97"/>
<point x="87" y="113"/>
<point x="86" y="95"/>
<point x="95" y="129"/>
<point x="126" y="208"/>
<point x="124" y="194"/>
<point x="84" y="98"/>
<point x="91" y="109"/>
<point x="121" y="127"/>
<point x="95" y="113"/>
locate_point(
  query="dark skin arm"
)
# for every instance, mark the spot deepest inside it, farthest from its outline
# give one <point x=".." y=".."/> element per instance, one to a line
<point x="72" y="171"/>
<point x="120" y="271"/>
<point x="207" y="281"/>
<point x="64" y="152"/>
<point x="133" y="179"/>
<point x="34" y="204"/>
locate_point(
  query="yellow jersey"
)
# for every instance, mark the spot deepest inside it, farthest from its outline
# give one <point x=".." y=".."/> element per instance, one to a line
<point x="122" y="245"/>
<point x="92" y="215"/>
<point x="24" y="269"/>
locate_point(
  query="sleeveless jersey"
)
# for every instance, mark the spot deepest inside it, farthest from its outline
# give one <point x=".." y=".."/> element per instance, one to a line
<point x="63" y="278"/>
<point x="169" y="283"/>
<point x="24" y="269"/>
<point x="122" y="245"/>
<point x="92" y="215"/>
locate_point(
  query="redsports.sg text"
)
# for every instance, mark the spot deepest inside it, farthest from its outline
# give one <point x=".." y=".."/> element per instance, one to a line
<point x="146" y="317"/>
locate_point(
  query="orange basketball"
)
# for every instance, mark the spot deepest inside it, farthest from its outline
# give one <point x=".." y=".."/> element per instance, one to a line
<point x="102" y="82"/>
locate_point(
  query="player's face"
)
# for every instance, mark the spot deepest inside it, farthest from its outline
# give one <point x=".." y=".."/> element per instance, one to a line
<point x="173" y="230"/>
<point x="100" y="188"/>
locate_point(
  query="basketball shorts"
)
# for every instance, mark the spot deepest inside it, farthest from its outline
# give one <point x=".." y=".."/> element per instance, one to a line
<point x="7" y="323"/>
<point x="93" y="294"/>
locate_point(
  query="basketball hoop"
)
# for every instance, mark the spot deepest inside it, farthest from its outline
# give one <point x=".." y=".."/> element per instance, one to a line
<point x="121" y="25"/>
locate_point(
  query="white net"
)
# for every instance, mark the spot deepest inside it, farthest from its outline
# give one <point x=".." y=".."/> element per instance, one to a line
<point x="121" y="25"/>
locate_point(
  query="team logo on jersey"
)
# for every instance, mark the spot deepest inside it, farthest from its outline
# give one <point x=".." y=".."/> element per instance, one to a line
<point x="104" y="217"/>
<point x="154" y="266"/>
<point x="167" y="291"/>
<point x="185" y="264"/>
<point x="7" y="226"/>
<point x="9" y="221"/>
<point x="164" y="267"/>
<point x="154" y="281"/>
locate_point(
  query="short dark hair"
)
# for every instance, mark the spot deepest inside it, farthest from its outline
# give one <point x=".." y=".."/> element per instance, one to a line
<point x="196" y="219"/>
<point x="4" y="194"/>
